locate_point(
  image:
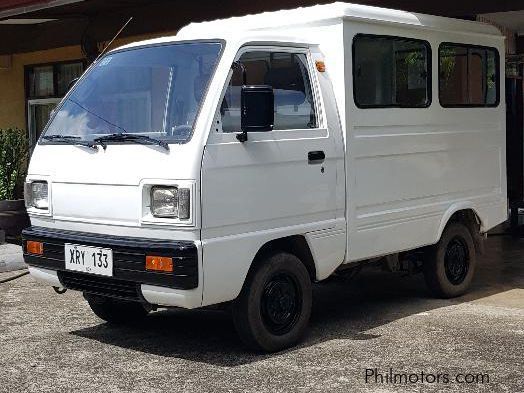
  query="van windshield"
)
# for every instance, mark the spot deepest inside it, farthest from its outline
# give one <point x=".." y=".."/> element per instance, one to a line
<point x="153" y="91"/>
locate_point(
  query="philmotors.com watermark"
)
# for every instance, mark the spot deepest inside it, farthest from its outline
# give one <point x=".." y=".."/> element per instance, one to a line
<point x="394" y="377"/>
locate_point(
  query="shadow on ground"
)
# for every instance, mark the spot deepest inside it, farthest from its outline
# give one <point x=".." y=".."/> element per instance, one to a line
<point x="340" y="311"/>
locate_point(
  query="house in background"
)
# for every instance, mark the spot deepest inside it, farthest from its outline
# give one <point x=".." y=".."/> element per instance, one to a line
<point x="47" y="43"/>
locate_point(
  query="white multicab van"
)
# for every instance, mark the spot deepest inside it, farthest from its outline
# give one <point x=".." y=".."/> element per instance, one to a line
<point x="245" y="159"/>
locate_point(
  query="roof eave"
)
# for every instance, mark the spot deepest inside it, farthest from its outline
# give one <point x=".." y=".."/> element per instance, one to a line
<point x="35" y="7"/>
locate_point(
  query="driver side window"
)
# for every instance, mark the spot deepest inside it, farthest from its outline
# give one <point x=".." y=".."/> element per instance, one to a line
<point x="287" y="73"/>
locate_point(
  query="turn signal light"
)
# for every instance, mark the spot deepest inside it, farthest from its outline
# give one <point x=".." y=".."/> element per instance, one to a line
<point x="33" y="247"/>
<point x="159" y="264"/>
<point x="321" y="66"/>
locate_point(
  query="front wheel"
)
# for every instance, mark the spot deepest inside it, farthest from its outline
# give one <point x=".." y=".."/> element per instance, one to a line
<point x="450" y="264"/>
<point x="273" y="309"/>
<point x="117" y="311"/>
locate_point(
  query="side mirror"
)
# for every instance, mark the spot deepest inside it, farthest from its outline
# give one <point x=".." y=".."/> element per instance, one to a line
<point x="257" y="110"/>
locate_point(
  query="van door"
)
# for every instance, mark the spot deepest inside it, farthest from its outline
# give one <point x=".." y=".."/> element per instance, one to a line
<point x="277" y="179"/>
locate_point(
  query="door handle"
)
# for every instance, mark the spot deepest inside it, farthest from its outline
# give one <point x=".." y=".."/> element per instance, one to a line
<point x="316" y="157"/>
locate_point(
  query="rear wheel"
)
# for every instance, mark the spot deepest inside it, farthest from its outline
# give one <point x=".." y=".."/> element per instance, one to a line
<point x="116" y="311"/>
<point x="450" y="264"/>
<point x="273" y="309"/>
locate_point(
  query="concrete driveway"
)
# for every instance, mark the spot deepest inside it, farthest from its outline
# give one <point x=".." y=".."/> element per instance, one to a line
<point x="11" y="258"/>
<point x="379" y="321"/>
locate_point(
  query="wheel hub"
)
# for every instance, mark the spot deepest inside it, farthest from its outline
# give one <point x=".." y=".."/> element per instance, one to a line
<point x="280" y="303"/>
<point x="456" y="261"/>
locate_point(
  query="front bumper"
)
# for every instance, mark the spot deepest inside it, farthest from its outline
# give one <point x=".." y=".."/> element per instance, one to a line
<point x="130" y="279"/>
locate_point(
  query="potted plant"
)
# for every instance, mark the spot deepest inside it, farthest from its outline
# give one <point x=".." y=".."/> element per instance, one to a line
<point x="13" y="165"/>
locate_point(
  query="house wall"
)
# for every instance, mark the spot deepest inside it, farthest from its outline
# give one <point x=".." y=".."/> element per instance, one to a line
<point x="12" y="79"/>
<point x="12" y="89"/>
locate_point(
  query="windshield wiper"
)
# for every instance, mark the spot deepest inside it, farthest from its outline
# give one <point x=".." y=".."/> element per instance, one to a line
<point x="122" y="137"/>
<point x="70" y="139"/>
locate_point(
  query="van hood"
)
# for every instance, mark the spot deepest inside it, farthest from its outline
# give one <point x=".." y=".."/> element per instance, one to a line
<point x="119" y="164"/>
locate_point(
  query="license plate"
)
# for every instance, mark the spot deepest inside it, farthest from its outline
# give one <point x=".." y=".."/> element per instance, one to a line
<point x="87" y="259"/>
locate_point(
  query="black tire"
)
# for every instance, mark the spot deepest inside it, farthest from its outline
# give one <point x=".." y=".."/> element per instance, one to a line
<point x="117" y="312"/>
<point x="274" y="306"/>
<point x="449" y="265"/>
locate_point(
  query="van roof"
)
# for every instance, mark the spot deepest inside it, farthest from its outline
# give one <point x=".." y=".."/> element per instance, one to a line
<point x="278" y="21"/>
<point x="316" y="14"/>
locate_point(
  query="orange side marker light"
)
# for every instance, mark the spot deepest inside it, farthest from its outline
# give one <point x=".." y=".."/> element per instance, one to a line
<point x="33" y="247"/>
<point x="159" y="264"/>
<point x="321" y="66"/>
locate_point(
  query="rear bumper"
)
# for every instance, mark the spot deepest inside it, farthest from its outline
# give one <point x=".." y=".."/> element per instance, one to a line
<point x="130" y="280"/>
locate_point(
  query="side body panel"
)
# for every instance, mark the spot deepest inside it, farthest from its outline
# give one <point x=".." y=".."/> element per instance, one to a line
<point x="409" y="170"/>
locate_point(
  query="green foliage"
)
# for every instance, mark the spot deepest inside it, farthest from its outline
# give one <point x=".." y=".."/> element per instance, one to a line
<point x="448" y="58"/>
<point x="13" y="162"/>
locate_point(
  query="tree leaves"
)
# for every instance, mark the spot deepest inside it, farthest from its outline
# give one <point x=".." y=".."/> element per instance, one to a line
<point x="13" y="162"/>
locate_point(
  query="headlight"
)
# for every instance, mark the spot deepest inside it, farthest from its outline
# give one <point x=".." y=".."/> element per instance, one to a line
<point x="170" y="202"/>
<point x="37" y="195"/>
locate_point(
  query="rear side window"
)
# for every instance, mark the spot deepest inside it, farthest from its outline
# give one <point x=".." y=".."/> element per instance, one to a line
<point x="288" y="74"/>
<point x="468" y="76"/>
<point x="391" y="72"/>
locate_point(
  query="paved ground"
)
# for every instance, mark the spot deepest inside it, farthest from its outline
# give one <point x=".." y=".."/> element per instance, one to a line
<point x="53" y="343"/>
<point x="11" y="258"/>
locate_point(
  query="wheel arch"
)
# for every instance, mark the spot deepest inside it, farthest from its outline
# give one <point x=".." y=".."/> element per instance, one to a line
<point x="233" y="259"/>
<point x="466" y="214"/>
<point x="296" y="245"/>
